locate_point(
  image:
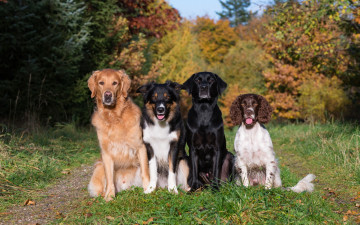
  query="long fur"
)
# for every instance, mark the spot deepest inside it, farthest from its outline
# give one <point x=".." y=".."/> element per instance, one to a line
<point x="255" y="161"/>
<point x="117" y="122"/>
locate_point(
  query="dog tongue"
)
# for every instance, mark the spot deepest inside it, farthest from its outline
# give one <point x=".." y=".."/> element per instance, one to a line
<point x="248" y="121"/>
<point x="160" y="117"/>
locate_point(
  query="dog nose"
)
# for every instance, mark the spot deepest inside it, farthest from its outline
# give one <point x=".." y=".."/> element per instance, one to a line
<point x="107" y="94"/>
<point x="248" y="111"/>
<point x="203" y="87"/>
<point x="160" y="109"/>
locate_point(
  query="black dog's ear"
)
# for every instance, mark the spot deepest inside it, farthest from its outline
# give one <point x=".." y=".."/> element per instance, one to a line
<point x="188" y="85"/>
<point x="174" y="85"/>
<point x="221" y="85"/>
<point x="143" y="89"/>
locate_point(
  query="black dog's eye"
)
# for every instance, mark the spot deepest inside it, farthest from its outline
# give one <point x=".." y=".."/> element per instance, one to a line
<point x="115" y="83"/>
<point x="211" y="80"/>
<point x="198" y="80"/>
<point x="101" y="82"/>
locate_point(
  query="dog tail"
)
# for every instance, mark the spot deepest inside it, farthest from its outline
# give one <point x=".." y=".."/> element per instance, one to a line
<point x="304" y="184"/>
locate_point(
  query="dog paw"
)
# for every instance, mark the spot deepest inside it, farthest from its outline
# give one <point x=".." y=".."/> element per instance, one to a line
<point x="173" y="190"/>
<point x="150" y="189"/>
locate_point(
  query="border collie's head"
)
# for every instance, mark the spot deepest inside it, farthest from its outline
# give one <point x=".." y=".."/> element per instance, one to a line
<point x="161" y="100"/>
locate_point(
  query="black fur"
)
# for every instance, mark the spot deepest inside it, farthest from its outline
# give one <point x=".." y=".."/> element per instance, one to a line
<point x="210" y="162"/>
<point x="170" y="89"/>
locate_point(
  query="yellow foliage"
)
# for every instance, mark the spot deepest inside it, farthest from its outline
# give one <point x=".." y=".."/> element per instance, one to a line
<point x="321" y="98"/>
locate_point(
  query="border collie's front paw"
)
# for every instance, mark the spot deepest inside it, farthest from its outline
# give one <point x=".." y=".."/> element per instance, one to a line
<point x="150" y="188"/>
<point x="173" y="189"/>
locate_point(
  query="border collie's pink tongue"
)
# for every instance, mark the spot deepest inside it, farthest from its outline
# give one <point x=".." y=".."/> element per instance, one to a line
<point x="248" y="121"/>
<point x="160" y="117"/>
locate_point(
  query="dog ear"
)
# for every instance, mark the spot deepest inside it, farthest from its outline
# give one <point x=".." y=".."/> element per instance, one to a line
<point x="265" y="110"/>
<point x="125" y="83"/>
<point x="188" y="85"/>
<point x="236" y="111"/>
<point x="221" y="85"/>
<point x="144" y="88"/>
<point x="174" y="85"/>
<point x="92" y="83"/>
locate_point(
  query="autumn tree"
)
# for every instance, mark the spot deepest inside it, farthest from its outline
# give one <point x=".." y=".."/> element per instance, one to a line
<point x="304" y="43"/>
<point x="214" y="38"/>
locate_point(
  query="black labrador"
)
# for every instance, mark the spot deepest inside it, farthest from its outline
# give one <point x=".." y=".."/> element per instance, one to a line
<point x="209" y="159"/>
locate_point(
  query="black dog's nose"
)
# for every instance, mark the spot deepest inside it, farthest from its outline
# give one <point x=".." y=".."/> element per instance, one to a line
<point x="203" y="87"/>
<point x="160" y="109"/>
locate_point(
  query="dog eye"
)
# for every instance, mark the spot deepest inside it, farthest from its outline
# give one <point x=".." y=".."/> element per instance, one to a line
<point x="210" y="80"/>
<point x="101" y="82"/>
<point x="198" y="80"/>
<point x="115" y="83"/>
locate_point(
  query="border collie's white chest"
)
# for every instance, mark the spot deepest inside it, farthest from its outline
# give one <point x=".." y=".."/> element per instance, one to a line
<point x="159" y="137"/>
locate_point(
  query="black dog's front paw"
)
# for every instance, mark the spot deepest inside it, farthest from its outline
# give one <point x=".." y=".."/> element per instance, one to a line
<point x="196" y="184"/>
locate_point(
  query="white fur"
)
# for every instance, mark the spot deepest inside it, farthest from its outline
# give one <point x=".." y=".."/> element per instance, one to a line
<point x="160" y="137"/>
<point x="254" y="149"/>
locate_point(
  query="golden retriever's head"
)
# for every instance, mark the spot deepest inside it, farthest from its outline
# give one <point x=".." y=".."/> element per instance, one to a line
<point x="108" y="85"/>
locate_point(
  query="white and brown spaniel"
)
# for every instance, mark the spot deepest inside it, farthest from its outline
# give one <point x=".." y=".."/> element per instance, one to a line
<point x="255" y="162"/>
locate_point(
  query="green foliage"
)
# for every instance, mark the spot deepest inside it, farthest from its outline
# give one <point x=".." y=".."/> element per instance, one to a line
<point x="235" y="11"/>
<point x="40" y="50"/>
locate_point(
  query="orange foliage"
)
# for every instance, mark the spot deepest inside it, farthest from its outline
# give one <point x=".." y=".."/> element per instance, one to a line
<point x="214" y="39"/>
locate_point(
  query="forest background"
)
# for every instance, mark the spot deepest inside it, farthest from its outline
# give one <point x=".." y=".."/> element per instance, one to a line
<point x="303" y="56"/>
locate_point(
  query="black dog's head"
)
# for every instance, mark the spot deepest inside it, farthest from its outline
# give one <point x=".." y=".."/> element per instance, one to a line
<point x="204" y="85"/>
<point x="250" y="108"/>
<point x="161" y="100"/>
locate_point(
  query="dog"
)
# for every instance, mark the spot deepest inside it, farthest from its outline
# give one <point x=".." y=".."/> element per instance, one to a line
<point x="164" y="135"/>
<point x="209" y="159"/>
<point x="124" y="160"/>
<point x="255" y="162"/>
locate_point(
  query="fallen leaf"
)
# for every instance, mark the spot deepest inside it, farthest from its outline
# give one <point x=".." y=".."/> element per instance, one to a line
<point x="345" y="218"/>
<point x="59" y="215"/>
<point x="66" y="171"/>
<point x="151" y="219"/>
<point x="88" y="215"/>
<point x="29" y="202"/>
<point x="357" y="205"/>
<point x="110" y="218"/>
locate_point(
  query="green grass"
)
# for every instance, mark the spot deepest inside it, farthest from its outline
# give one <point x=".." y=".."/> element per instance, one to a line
<point x="330" y="151"/>
<point x="32" y="162"/>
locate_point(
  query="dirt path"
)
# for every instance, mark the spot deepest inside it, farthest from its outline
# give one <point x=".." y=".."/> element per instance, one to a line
<point x="58" y="200"/>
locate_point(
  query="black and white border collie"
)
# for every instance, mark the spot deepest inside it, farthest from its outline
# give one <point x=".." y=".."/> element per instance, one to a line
<point x="164" y="136"/>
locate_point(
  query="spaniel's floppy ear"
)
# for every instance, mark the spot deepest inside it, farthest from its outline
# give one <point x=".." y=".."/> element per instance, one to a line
<point x="174" y="85"/>
<point x="235" y="111"/>
<point x="188" y="85"/>
<point x="125" y="83"/>
<point x="265" y="110"/>
<point x="221" y="85"/>
<point x="144" y="88"/>
<point x="92" y="83"/>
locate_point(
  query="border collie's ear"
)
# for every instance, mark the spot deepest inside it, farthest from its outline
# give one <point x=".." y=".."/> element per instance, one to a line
<point x="92" y="83"/>
<point x="188" y="85"/>
<point x="236" y="112"/>
<point x="143" y="89"/>
<point x="174" y="85"/>
<point x="221" y="85"/>
<point x="265" y="110"/>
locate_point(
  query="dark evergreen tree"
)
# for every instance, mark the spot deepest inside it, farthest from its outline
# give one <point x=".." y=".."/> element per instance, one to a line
<point x="40" y="49"/>
<point x="235" y="11"/>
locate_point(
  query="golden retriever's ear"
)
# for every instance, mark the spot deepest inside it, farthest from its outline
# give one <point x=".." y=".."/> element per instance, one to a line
<point x="92" y="83"/>
<point x="125" y="83"/>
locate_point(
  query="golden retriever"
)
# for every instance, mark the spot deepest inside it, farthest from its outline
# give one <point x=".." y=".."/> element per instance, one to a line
<point x="124" y="161"/>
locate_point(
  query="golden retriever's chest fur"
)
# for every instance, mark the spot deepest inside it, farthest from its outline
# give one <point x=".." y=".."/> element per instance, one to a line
<point x="120" y="134"/>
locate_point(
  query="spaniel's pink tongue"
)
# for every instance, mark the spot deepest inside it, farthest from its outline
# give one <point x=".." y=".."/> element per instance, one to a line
<point x="248" y="121"/>
<point x="160" y="117"/>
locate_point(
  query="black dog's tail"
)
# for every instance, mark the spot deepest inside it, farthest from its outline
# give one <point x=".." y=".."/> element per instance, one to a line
<point x="303" y="185"/>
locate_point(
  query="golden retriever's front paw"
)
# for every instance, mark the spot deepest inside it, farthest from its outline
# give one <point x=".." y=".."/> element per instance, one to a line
<point x="109" y="195"/>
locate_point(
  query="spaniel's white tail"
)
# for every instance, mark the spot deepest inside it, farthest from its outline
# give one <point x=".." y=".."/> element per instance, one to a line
<point x="304" y="184"/>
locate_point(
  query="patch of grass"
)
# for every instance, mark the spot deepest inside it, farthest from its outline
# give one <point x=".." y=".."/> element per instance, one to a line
<point x="31" y="162"/>
<point x="231" y="205"/>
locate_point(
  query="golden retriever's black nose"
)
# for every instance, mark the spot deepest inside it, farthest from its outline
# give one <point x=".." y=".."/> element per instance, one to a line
<point x="107" y="96"/>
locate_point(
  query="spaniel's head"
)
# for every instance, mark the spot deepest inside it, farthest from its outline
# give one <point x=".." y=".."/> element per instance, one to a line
<point x="249" y="109"/>
<point x="108" y="85"/>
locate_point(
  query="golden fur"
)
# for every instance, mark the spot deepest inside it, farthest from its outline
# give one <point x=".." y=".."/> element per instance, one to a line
<point x="117" y="123"/>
